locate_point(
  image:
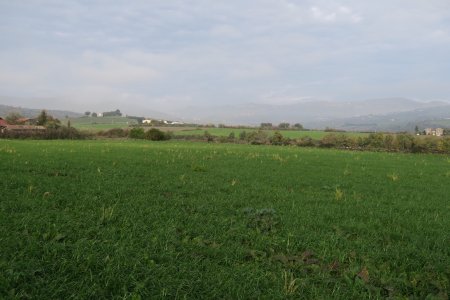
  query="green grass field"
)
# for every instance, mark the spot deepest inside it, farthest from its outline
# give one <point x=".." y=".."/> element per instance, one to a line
<point x="315" y="134"/>
<point x="141" y="220"/>
<point x="100" y="123"/>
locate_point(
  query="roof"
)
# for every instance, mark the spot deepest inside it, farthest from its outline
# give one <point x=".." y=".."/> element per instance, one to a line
<point x="24" y="127"/>
<point x="23" y="120"/>
<point x="3" y="122"/>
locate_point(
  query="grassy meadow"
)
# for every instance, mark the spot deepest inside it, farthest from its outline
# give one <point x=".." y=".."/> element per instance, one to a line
<point x="139" y="220"/>
<point x="95" y="124"/>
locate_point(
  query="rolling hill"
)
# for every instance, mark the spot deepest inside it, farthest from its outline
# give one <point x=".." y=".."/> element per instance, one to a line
<point x="32" y="112"/>
<point x="390" y="114"/>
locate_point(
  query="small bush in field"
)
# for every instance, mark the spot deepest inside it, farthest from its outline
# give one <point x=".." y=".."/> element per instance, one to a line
<point x="156" y="135"/>
<point x="137" y="133"/>
<point x="115" y="133"/>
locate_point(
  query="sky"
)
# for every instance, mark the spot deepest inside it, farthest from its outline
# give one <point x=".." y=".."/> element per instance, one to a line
<point x="142" y="56"/>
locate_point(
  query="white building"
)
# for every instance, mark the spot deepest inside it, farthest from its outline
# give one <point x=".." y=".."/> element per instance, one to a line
<point x="434" y="131"/>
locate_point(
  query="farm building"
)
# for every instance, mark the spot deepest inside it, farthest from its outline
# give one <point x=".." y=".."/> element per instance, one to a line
<point x="3" y="122"/>
<point x="27" y="121"/>
<point x="3" y="125"/>
<point x="434" y="131"/>
<point x="20" y="128"/>
<point x="161" y="122"/>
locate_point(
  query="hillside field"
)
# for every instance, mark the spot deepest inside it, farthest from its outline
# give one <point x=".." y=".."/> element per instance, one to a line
<point x="100" y="123"/>
<point x="105" y="123"/>
<point x="144" y="220"/>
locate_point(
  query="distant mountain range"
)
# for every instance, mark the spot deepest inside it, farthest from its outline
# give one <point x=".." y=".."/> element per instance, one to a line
<point x="392" y="114"/>
<point x="388" y="114"/>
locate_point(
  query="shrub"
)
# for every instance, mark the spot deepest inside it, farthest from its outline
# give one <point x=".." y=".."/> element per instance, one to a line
<point x="114" y="133"/>
<point x="305" y="141"/>
<point x="156" y="135"/>
<point x="337" y="141"/>
<point x="425" y="145"/>
<point x="328" y="141"/>
<point x="137" y="133"/>
<point x="277" y="139"/>
<point x="404" y="142"/>
<point x="388" y="143"/>
<point x="258" y="137"/>
<point x="208" y="136"/>
<point x="444" y="145"/>
<point x="243" y="135"/>
<point x="375" y="141"/>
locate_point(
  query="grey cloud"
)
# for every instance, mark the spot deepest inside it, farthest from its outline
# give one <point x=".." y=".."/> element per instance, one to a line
<point x="172" y="53"/>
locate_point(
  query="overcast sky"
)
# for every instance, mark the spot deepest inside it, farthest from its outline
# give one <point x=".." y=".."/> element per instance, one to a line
<point x="141" y="55"/>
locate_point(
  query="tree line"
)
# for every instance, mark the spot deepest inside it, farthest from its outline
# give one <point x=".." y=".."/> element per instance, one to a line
<point x="400" y="142"/>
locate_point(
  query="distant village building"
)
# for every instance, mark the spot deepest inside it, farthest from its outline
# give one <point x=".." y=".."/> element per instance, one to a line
<point x="3" y="122"/>
<point x="3" y="125"/>
<point x="20" y="128"/>
<point x="27" y="121"/>
<point x="24" y="128"/>
<point x="434" y="131"/>
<point x="161" y="122"/>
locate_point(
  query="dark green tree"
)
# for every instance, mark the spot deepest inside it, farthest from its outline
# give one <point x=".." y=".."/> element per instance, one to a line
<point x="115" y="113"/>
<point x="42" y="119"/>
<point x="284" y="125"/>
<point x="266" y="126"/>
<point x="243" y="135"/>
<point x="298" y="126"/>
<point x="52" y="123"/>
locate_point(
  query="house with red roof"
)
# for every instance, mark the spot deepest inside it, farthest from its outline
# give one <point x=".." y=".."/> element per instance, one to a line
<point x="3" y="122"/>
<point x="4" y="126"/>
<point x="27" y="121"/>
